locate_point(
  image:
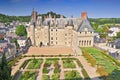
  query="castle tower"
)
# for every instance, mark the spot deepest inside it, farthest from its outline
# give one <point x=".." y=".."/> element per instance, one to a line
<point x="32" y="26"/>
<point x="34" y="17"/>
<point x="32" y="35"/>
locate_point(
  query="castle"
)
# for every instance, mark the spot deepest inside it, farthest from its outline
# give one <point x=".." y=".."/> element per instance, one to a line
<point x="52" y="31"/>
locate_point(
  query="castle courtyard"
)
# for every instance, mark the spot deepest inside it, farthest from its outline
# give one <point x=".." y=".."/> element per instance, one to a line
<point x="58" y="50"/>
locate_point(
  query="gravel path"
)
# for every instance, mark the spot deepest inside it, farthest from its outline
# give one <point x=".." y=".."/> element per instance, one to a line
<point x="39" y="77"/>
<point x="90" y="70"/>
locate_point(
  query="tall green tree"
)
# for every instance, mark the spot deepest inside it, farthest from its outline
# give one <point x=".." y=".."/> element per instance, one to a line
<point x="5" y="70"/>
<point x="14" y="40"/>
<point x="21" y="31"/>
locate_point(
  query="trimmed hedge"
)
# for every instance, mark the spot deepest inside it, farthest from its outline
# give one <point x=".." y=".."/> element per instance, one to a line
<point x="45" y="77"/>
<point x="85" y="74"/>
<point x="45" y="70"/>
<point x="114" y="60"/>
<point x="24" y="64"/>
<point x="57" y="70"/>
<point x="90" y="59"/>
<point x="52" y="58"/>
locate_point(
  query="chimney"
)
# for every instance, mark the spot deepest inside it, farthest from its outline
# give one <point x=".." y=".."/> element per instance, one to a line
<point x="50" y="16"/>
<point x="34" y="15"/>
<point x="61" y="16"/>
<point x="54" y="16"/>
<point x="84" y="15"/>
<point x="45" y="17"/>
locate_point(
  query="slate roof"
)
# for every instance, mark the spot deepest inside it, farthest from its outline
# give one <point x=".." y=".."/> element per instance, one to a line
<point x="110" y="32"/>
<point x="85" y="24"/>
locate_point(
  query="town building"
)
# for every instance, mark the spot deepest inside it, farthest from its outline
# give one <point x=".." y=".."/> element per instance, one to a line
<point x="9" y="49"/>
<point x="113" y="31"/>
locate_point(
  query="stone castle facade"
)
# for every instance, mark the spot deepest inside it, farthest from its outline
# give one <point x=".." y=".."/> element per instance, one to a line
<point x="72" y="32"/>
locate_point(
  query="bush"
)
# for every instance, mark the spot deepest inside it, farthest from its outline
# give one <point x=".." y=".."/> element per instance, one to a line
<point x="45" y="70"/>
<point x="55" y="77"/>
<point x="29" y="76"/>
<point x="114" y="60"/>
<point x="79" y="63"/>
<point x="68" y="64"/>
<point x="57" y="70"/>
<point x="90" y="58"/>
<point x="52" y="58"/>
<point x="102" y="72"/>
<point x="45" y="77"/>
<point x="35" y="63"/>
<point x="72" y="75"/>
<point x="85" y="74"/>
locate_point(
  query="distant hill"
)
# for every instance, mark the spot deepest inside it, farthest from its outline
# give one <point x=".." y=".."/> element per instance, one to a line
<point x="52" y="14"/>
<point x="7" y="18"/>
<point x="102" y="21"/>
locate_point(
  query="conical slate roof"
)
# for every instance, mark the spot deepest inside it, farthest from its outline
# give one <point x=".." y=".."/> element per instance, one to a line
<point x="85" y="24"/>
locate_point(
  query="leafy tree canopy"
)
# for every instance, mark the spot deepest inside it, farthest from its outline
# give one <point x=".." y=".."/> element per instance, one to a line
<point x="21" y="31"/>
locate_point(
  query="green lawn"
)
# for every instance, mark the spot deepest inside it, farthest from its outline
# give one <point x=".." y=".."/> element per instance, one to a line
<point x="102" y="60"/>
<point x="35" y="64"/>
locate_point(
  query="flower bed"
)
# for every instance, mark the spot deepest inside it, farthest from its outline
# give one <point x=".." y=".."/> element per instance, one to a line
<point x="72" y="75"/>
<point x="29" y="76"/>
<point x="35" y="64"/>
<point x="68" y="63"/>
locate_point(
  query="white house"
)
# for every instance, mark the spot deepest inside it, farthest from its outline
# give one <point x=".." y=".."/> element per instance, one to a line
<point x="115" y="29"/>
<point x="22" y="42"/>
<point x="112" y="33"/>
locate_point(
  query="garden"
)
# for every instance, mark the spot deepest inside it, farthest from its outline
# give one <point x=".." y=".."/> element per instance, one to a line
<point x="68" y="63"/>
<point x="28" y="75"/>
<point x="105" y="64"/>
<point x="52" y="68"/>
<point x="51" y="65"/>
<point x="72" y="75"/>
<point x="34" y="63"/>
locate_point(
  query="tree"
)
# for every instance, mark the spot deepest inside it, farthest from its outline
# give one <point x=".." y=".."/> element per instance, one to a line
<point x="5" y="70"/>
<point x="14" y="40"/>
<point x="118" y="35"/>
<point x="21" y="31"/>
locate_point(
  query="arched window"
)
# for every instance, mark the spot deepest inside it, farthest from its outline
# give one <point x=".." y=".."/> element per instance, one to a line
<point x="79" y="43"/>
<point x="90" y="42"/>
<point x="84" y="43"/>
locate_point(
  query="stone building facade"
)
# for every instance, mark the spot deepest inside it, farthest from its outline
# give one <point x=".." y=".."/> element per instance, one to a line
<point x="72" y="32"/>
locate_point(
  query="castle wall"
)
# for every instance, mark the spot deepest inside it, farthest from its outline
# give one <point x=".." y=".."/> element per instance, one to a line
<point x="85" y="39"/>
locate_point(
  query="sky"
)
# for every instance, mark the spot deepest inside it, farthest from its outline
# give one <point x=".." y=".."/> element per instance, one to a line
<point x="94" y="8"/>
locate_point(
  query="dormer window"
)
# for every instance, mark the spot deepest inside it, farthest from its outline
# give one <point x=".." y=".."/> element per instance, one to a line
<point x="86" y="29"/>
